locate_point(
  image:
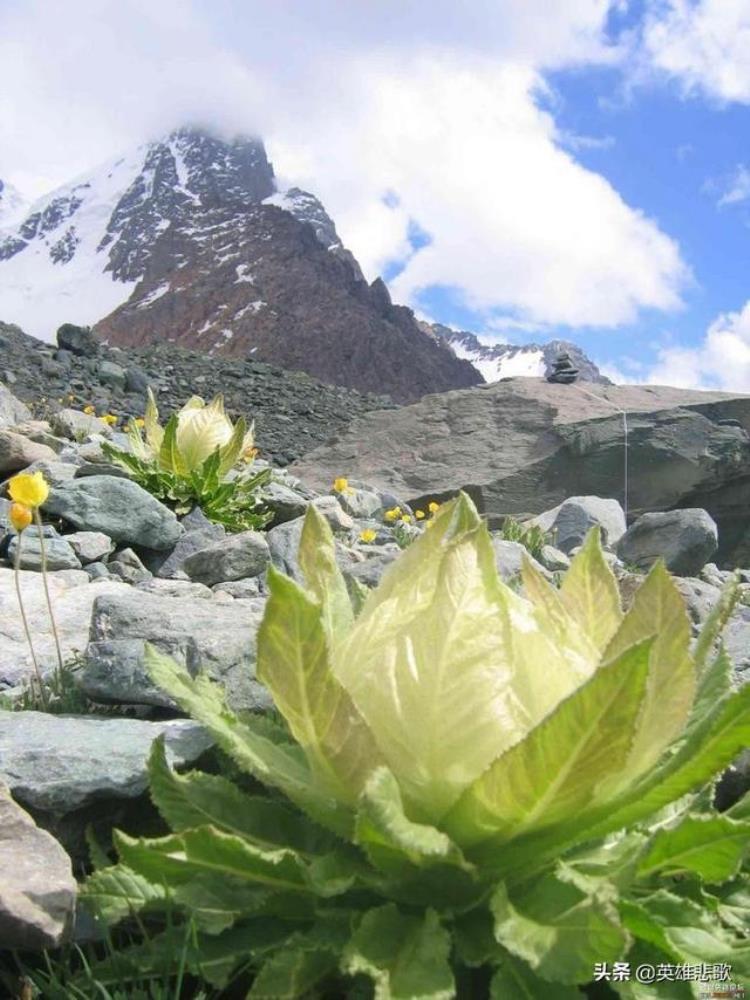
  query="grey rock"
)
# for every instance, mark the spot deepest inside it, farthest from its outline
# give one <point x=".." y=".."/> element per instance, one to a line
<point x="136" y="381"/>
<point x="553" y="559"/>
<point x="359" y="503"/>
<point x="119" y="508"/>
<point x="79" y="340"/>
<point x="509" y="557"/>
<point x="175" y="588"/>
<point x="60" y="554"/>
<point x="112" y="374"/>
<point x="285" y="502"/>
<point x="73" y="577"/>
<point x="233" y="558"/>
<point x="686" y="539"/>
<point x="126" y="565"/>
<point x="250" y="587"/>
<point x="571" y="521"/>
<point x="90" y="546"/>
<point x="370" y="572"/>
<point x="77" y="425"/>
<point x="37" y="888"/>
<point x="18" y="452"/>
<point x="72" y="606"/>
<point x="522" y="446"/>
<point x="58" y="763"/>
<point x="12" y="410"/>
<point x="57" y="473"/>
<point x="333" y="512"/>
<point x="197" y="633"/>
<point x="283" y="544"/>
<point x="200" y="533"/>
<point x="96" y="571"/>
<point x="736" y="638"/>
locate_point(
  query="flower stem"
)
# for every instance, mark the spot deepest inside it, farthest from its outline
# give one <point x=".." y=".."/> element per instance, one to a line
<point x="43" y="550"/>
<point x="27" y="630"/>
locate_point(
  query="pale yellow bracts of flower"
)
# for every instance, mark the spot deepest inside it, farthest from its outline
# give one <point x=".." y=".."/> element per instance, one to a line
<point x="192" y="436"/>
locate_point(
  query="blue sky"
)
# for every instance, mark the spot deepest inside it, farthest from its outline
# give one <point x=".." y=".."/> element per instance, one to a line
<point x="525" y="169"/>
<point x="674" y="157"/>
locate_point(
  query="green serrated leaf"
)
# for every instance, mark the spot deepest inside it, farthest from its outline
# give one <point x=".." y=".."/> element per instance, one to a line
<point x="658" y="610"/>
<point x="714" y="625"/>
<point x="116" y="892"/>
<point x="557" y="771"/>
<point x="423" y="866"/>
<point x="591" y="597"/>
<point x="291" y="973"/>
<point x="324" y="579"/>
<point x="405" y="956"/>
<point x="293" y="663"/>
<point x="559" y="930"/>
<point x="170" y="459"/>
<point x="280" y="765"/>
<point x="687" y="931"/>
<point x="515" y="979"/>
<point x="710" y="846"/>
<point x="178" y="859"/>
<point x="198" y="799"/>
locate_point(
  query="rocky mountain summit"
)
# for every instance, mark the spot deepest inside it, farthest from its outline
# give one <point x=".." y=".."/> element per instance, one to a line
<point x="12" y="204"/>
<point x="508" y="360"/>
<point x="188" y="241"/>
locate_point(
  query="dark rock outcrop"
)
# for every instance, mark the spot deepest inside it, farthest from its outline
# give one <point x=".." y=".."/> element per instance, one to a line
<point x="524" y="445"/>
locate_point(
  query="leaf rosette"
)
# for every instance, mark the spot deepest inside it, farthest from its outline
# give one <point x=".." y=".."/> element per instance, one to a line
<point x="472" y="792"/>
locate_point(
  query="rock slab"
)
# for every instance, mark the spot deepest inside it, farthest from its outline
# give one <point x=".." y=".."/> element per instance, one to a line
<point x="59" y="763"/>
<point x="37" y="888"/>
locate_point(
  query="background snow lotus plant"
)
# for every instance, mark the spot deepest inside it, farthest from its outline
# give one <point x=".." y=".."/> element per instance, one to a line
<point x="193" y="460"/>
<point x="474" y="793"/>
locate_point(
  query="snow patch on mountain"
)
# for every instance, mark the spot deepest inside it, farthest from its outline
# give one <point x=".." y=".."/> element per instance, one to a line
<point x="529" y="363"/>
<point x="12" y="204"/>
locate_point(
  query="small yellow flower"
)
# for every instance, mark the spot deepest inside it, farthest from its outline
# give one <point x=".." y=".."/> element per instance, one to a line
<point x="406" y="518"/>
<point x="341" y="485"/>
<point x="419" y="514"/>
<point x="429" y="524"/>
<point x="139" y="422"/>
<point x="433" y="506"/>
<point x="89" y="410"/>
<point x="368" y="535"/>
<point x="29" y="489"/>
<point x="110" y="419"/>
<point x="392" y="514"/>
<point x="71" y="397"/>
<point x="20" y="516"/>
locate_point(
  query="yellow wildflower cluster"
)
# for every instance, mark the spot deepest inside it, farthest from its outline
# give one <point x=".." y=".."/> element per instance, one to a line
<point x="396" y="514"/>
<point x="341" y="485"/>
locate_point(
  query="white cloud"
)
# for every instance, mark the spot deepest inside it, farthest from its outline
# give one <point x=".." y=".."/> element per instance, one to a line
<point x="721" y="361"/>
<point x="738" y="188"/>
<point x="704" y="44"/>
<point x="449" y="109"/>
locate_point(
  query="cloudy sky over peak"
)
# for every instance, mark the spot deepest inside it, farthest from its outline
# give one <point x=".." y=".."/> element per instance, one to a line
<point x="521" y="168"/>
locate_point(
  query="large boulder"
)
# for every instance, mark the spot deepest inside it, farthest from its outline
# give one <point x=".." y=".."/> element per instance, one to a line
<point x="72" y="604"/>
<point x="118" y="507"/>
<point x="12" y="410"/>
<point x="59" y="763"/>
<point x="37" y="888"/>
<point x="17" y="452"/>
<point x="523" y="445"/>
<point x="232" y="558"/>
<point x="199" y="634"/>
<point x="571" y="521"/>
<point x="58" y="552"/>
<point x="685" y="539"/>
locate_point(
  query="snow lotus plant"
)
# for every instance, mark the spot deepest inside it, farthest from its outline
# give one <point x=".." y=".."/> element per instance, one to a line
<point x="473" y="793"/>
<point x="189" y="460"/>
